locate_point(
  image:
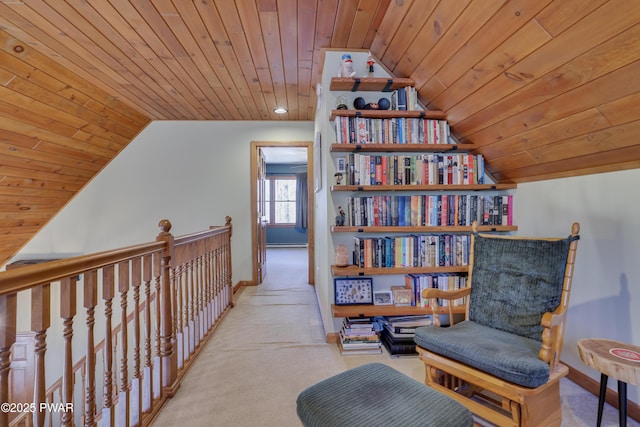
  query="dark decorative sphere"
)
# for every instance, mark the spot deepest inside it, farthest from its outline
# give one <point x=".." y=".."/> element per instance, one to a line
<point x="359" y="103"/>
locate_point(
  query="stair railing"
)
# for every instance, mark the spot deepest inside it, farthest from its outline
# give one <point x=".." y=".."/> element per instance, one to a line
<point x="166" y="297"/>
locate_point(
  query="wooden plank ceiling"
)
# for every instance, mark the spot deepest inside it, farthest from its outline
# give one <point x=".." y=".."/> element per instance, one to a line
<point x="544" y="88"/>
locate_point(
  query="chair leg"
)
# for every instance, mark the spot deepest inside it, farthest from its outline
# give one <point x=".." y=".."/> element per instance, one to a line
<point x="601" y="397"/>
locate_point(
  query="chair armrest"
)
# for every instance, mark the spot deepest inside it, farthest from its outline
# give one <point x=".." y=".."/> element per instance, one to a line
<point x="551" y="320"/>
<point x="448" y="295"/>
<point x="552" y="333"/>
<point x="433" y="295"/>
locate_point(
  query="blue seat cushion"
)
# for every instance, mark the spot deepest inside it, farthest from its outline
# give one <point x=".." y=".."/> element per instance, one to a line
<point x="377" y="395"/>
<point x="504" y="355"/>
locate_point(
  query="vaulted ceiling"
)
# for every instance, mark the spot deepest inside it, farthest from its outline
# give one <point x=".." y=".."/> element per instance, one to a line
<point x="543" y="88"/>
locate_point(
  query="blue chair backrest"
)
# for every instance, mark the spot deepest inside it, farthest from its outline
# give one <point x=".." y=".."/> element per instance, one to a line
<point x="515" y="281"/>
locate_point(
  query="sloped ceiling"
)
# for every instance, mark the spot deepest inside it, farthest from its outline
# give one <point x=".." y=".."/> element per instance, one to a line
<point x="543" y="88"/>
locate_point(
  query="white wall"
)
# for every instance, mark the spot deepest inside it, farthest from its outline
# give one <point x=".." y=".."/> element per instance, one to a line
<point x="606" y="285"/>
<point x="193" y="173"/>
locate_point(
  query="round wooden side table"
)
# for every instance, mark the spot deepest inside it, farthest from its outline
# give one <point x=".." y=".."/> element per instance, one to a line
<point x="612" y="359"/>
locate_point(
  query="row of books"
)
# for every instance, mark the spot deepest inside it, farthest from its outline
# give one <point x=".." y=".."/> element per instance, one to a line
<point x="405" y="98"/>
<point x="444" y="281"/>
<point x="398" y="333"/>
<point x="397" y="130"/>
<point x="429" y="210"/>
<point x="431" y="250"/>
<point x="360" y="336"/>
<point x="420" y="169"/>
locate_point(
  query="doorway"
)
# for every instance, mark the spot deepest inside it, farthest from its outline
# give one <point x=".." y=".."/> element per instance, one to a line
<point x="259" y="194"/>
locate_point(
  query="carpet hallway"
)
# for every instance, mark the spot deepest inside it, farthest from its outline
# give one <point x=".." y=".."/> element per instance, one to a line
<point x="271" y="346"/>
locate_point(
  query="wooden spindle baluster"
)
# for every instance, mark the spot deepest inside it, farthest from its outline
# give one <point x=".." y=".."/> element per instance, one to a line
<point x="147" y="375"/>
<point x="123" y="395"/>
<point x="184" y="302"/>
<point x="223" y="275"/>
<point x="7" y="338"/>
<point x="108" y="293"/>
<point x="214" y="291"/>
<point x="90" y="302"/>
<point x="67" y="313"/>
<point x="179" y="272"/>
<point x="136" y="390"/>
<point x="216" y="281"/>
<point x="203" y="290"/>
<point x="220" y="278"/>
<point x="173" y="280"/>
<point x="40" y="322"/>
<point x="198" y="295"/>
<point x="194" y="301"/>
<point x="208" y="282"/>
<point x="191" y="300"/>
<point x="185" y="305"/>
<point x="157" y="366"/>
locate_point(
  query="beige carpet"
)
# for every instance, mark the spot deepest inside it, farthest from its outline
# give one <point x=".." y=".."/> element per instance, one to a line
<point x="271" y="346"/>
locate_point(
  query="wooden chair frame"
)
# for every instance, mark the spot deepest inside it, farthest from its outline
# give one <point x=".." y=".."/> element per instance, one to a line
<point x="493" y="399"/>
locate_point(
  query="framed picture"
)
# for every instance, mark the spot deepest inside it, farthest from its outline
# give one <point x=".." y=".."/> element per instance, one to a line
<point x="353" y="291"/>
<point x="341" y="164"/>
<point x="401" y="295"/>
<point x="382" y="297"/>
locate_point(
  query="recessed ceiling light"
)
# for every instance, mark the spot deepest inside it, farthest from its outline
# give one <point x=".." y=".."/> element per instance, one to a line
<point x="280" y="110"/>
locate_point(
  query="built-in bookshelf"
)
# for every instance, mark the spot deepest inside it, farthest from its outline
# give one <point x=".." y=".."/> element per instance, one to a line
<point x="402" y="185"/>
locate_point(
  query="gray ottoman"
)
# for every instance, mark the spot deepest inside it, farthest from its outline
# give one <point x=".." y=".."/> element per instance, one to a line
<point x="377" y="395"/>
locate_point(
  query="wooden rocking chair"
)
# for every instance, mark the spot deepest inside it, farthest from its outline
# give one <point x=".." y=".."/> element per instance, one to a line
<point x="502" y="360"/>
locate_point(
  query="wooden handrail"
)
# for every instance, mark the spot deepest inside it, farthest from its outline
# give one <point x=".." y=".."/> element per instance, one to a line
<point x="29" y="276"/>
<point x="168" y="296"/>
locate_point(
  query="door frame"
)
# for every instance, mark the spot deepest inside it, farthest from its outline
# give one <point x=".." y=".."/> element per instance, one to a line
<point x="255" y="146"/>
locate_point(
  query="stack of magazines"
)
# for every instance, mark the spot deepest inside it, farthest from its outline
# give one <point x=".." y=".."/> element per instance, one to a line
<point x="360" y="336"/>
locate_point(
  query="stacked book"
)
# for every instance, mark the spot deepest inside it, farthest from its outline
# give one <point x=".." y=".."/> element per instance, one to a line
<point x="359" y="336"/>
<point x="398" y="332"/>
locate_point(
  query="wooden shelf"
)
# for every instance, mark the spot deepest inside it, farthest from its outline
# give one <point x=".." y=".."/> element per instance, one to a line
<point x="416" y="188"/>
<point x="365" y="310"/>
<point x="422" y="229"/>
<point x="388" y="114"/>
<point x="369" y="84"/>
<point x="401" y="148"/>
<point x="353" y="270"/>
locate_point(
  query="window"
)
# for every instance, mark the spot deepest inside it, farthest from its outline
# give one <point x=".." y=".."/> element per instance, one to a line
<point x="280" y="196"/>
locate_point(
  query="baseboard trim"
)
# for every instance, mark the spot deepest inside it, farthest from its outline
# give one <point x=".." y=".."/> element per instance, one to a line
<point x="593" y="387"/>
<point x="242" y="283"/>
<point x="332" y="338"/>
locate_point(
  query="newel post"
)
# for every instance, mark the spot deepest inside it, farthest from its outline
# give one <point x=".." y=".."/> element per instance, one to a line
<point x="168" y="360"/>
